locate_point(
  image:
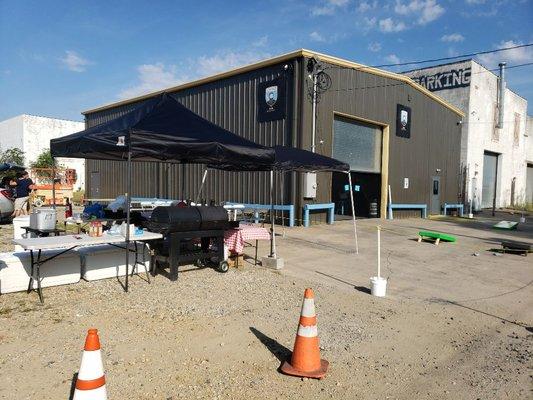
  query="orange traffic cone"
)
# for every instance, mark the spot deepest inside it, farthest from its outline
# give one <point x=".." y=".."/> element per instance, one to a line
<point x="91" y="379"/>
<point x="305" y="360"/>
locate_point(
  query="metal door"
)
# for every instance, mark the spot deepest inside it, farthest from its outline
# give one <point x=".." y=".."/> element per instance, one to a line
<point x="434" y="206"/>
<point x="95" y="185"/>
<point x="529" y="184"/>
<point x="490" y="175"/>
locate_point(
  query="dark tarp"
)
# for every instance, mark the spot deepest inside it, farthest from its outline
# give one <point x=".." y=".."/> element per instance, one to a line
<point x="161" y="129"/>
<point x="293" y="159"/>
<point x="10" y="167"/>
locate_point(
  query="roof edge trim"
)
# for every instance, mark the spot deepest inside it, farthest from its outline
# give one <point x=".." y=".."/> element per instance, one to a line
<point x="275" y="60"/>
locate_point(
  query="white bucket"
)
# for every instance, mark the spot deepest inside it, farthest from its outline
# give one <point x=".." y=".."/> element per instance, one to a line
<point x="378" y="286"/>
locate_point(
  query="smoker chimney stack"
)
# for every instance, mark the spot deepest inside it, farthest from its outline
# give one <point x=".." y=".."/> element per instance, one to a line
<point x="501" y="94"/>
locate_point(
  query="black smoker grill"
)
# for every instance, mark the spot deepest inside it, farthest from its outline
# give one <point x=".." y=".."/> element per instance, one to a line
<point x="191" y="234"/>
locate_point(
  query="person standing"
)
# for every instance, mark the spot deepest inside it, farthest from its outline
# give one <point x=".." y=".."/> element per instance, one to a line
<point x="22" y="190"/>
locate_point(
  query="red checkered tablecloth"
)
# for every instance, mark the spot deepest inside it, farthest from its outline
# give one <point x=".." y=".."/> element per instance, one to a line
<point x="235" y="239"/>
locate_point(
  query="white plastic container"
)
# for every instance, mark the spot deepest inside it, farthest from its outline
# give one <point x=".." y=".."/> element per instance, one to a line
<point x="18" y="232"/>
<point x="378" y="286"/>
<point x="15" y="270"/>
<point x="106" y="261"/>
<point x="43" y="218"/>
<point x="124" y="228"/>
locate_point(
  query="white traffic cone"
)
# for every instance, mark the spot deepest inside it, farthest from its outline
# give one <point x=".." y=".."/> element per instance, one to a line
<point x="90" y="384"/>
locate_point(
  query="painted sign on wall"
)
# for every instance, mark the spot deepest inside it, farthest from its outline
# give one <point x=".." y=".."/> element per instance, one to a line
<point x="455" y="78"/>
<point x="271" y="100"/>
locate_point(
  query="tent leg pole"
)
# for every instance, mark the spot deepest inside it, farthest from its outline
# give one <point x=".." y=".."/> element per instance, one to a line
<point x="272" y="231"/>
<point x="353" y="213"/>
<point x="201" y="187"/>
<point x="128" y="202"/>
<point x="54" y="183"/>
<point x="282" y="185"/>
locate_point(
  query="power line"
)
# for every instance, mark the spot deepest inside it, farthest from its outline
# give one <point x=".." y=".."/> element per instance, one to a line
<point x="515" y="66"/>
<point x="454" y="57"/>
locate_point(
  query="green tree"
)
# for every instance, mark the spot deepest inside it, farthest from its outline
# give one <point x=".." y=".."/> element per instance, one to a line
<point x="44" y="160"/>
<point x="12" y="155"/>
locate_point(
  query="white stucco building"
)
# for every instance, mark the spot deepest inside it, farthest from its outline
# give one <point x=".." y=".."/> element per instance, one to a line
<point x="494" y="159"/>
<point x="32" y="134"/>
<point x="529" y="158"/>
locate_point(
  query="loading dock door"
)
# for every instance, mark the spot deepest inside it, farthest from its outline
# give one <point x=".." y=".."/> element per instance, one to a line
<point x="358" y="144"/>
<point x="490" y="175"/>
<point x="529" y="184"/>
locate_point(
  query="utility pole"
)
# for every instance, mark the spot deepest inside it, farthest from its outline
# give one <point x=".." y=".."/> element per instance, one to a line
<point x="313" y="138"/>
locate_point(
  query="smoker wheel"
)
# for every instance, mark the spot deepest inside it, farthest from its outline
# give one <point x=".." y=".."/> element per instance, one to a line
<point x="223" y="266"/>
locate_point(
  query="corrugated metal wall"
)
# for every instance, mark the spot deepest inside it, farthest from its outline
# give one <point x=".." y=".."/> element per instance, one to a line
<point x="435" y="135"/>
<point x="230" y="103"/>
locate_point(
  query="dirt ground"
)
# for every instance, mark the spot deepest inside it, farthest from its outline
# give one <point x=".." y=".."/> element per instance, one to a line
<point x="456" y="322"/>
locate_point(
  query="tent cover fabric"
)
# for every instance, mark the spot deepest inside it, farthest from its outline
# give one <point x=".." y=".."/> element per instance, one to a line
<point x="161" y="129"/>
<point x="293" y="159"/>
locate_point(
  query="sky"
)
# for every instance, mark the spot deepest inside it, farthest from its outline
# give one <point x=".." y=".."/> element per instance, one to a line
<point x="59" y="58"/>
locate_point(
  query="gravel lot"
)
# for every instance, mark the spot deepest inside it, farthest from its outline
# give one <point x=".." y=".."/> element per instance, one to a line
<point x="218" y="336"/>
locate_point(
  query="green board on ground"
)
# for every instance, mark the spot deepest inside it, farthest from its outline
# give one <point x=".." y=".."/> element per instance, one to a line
<point x="508" y="225"/>
<point x="437" y="235"/>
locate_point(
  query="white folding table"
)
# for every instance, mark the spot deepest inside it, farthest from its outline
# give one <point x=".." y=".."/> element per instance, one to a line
<point x="70" y="242"/>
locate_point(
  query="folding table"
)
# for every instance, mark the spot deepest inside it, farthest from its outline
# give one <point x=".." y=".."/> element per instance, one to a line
<point x="68" y="243"/>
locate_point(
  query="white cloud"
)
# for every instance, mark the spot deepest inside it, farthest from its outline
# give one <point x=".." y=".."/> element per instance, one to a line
<point x="425" y="10"/>
<point x="388" y="25"/>
<point x="393" y="59"/>
<point x="452" y="37"/>
<point x="370" y="23"/>
<point x="226" y="60"/>
<point x="329" y="7"/>
<point x="261" y="42"/>
<point x="325" y="10"/>
<point x="374" y="47"/>
<point x="452" y="52"/>
<point x="515" y="56"/>
<point x="74" y="62"/>
<point x="152" y="77"/>
<point x="316" y="37"/>
<point x="475" y="1"/>
<point x="159" y="76"/>
<point x="365" y="6"/>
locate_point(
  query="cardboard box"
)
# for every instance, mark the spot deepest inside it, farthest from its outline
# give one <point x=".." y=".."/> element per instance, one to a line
<point x="236" y="261"/>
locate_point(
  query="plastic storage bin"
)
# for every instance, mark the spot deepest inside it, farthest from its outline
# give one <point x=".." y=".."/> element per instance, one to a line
<point x="106" y="261"/>
<point x="15" y="269"/>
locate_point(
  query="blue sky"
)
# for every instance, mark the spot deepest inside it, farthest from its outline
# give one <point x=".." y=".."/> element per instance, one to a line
<point x="58" y="58"/>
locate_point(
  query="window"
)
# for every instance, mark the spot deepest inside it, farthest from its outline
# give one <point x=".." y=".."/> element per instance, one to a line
<point x="516" y="129"/>
<point x="357" y="144"/>
<point x="435" y="187"/>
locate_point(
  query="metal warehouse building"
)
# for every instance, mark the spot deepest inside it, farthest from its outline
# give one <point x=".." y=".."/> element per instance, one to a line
<point x="390" y="130"/>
